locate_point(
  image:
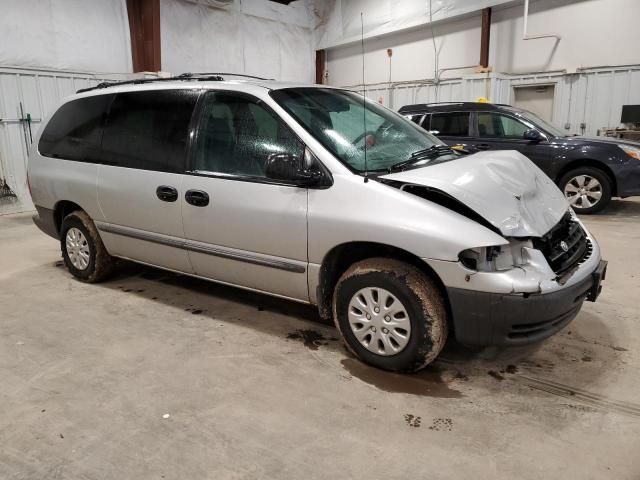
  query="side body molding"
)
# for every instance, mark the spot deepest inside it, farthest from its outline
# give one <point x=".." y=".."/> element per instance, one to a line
<point x="215" y="250"/>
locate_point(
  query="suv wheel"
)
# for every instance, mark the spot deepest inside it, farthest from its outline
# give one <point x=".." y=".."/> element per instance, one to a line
<point x="588" y="189"/>
<point x="83" y="252"/>
<point x="390" y="314"/>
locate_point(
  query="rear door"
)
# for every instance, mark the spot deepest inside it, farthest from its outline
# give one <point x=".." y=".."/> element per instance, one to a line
<point x="450" y="127"/>
<point x="240" y="227"/>
<point x="144" y="148"/>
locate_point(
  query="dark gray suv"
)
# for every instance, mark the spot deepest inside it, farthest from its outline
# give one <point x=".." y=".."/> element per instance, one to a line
<point x="588" y="170"/>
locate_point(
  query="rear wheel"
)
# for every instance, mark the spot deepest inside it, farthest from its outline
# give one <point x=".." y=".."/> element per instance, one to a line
<point x="587" y="189"/>
<point x="390" y="314"/>
<point x="83" y="252"/>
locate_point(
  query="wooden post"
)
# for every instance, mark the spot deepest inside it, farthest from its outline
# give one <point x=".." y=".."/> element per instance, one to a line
<point x="144" y="26"/>
<point x="485" y="36"/>
<point x="321" y="58"/>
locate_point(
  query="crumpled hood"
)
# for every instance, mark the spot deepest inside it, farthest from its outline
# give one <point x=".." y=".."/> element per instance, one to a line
<point x="504" y="187"/>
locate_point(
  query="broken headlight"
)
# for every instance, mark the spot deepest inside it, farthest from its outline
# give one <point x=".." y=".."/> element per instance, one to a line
<point x="496" y="258"/>
<point x="633" y="152"/>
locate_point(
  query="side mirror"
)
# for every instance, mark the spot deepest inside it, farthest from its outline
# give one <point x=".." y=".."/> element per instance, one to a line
<point x="532" y="135"/>
<point x="290" y="168"/>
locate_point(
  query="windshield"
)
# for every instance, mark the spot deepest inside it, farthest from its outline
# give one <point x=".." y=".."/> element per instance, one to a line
<point x="339" y="120"/>
<point x="536" y="120"/>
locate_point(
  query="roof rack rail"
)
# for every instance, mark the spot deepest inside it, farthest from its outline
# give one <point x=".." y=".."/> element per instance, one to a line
<point x="229" y="74"/>
<point x="445" y="103"/>
<point x="199" y="77"/>
<point x="139" y="81"/>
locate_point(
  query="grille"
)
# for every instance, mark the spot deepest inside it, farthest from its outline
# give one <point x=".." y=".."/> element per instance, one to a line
<point x="565" y="245"/>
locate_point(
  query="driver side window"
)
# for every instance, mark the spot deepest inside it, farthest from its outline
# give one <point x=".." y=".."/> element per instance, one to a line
<point x="238" y="134"/>
<point x="496" y="125"/>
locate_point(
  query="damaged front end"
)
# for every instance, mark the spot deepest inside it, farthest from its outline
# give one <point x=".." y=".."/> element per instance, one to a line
<point x="565" y="247"/>
<point x="528" y="264"/>
<point x="532" y="285"/>
<point x="545" y="243"/>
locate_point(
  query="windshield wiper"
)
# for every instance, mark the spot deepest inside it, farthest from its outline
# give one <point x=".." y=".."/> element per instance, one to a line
<point x="434" y="151"/>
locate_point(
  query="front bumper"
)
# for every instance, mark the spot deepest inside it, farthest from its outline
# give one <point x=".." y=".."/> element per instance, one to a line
<point x="481" y="318"/>
<point x="628" y="179"/>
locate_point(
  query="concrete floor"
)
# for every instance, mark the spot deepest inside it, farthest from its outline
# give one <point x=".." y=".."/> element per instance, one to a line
<point x="153" y="375"/>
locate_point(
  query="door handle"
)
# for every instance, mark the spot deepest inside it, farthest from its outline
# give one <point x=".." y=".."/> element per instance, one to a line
<point x="482" y="146"/>
<point x="197" y="198"/>
<point x="167" y="193"/>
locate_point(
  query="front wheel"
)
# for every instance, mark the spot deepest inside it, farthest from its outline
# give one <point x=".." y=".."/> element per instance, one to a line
<point x="390" y="314"/>
<point x="587" y="189"/>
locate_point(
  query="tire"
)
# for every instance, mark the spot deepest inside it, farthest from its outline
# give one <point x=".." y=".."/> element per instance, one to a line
<point x="581" y="178"/>
<point x="421" y="299"/>
<point x="99" y="264"/>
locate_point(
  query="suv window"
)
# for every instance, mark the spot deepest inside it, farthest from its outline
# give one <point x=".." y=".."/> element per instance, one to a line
<point x="237" y="135"/>
<point x="149" y="130"/>
<point x="498" y="125"/>
<point x="75" y="130"/>
<point x="452" y="124"/>
<point x="415" y="117"/>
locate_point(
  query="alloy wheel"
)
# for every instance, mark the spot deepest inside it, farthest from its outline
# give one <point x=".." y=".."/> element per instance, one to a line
<point x="583" y="191"/>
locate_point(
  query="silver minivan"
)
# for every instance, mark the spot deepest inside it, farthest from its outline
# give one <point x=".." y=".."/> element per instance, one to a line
<point x="316" y="195"/>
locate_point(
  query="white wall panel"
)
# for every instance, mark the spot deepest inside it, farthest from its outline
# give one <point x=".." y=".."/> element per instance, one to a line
<point x="253" y="37"/>
<point x="413" y="54"/>
<point x="340" y="22"/>
<point x="594" y="33"/>
<point x="89" y="35"/>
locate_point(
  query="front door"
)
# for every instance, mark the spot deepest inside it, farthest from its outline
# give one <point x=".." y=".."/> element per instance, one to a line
<point x="496" y="131"/>
<point x="240" y="227"/>
<point x="144" y="148"/>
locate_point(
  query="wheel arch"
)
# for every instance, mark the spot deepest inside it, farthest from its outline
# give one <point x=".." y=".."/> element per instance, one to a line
<point x="589" y="162"/>
<point x="61" y="210"/>
<point x="342" y="256"/>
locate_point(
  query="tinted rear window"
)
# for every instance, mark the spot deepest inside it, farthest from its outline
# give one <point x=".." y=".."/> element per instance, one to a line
<point x="149" y="130"/>
<point x="75" y="130"/>
<point x="453" y="124"/>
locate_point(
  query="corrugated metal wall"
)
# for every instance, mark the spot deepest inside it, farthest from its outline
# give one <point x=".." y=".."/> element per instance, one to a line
<point x="36" y="92"/>
<point x="590" y="98"/>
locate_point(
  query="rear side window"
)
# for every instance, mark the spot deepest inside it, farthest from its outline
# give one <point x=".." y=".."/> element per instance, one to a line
<point x="453" y="124"/>
<point x="75" y="130"/>
<point x="149" y="130"/>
